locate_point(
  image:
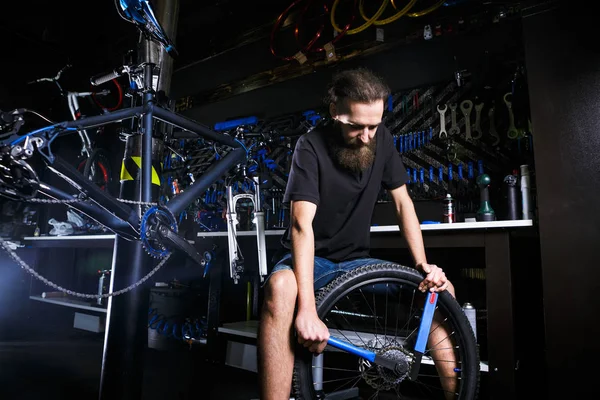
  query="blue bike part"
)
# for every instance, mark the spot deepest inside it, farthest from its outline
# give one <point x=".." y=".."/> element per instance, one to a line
<point x="146" y="242"/>
<point x="426" y="320"/>
<point x="227" y="125"/>
<point x="140" y="13"/>
<point x="423" y="334"/>
<point x="357" y="351"/>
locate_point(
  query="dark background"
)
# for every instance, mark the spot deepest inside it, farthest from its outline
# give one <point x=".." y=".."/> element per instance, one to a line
<point x="224" y="47"/>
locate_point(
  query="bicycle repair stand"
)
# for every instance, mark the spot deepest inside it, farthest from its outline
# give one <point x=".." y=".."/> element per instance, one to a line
<point x="236" y="261"/>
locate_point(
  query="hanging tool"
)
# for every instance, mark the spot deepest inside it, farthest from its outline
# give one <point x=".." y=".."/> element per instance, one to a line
<point x="493" y="132"/>
<point x="476" y="131"/>
<point x="466" y="106"/>
<point x="442" y="112"/>
<point x="512" y="131"/>
<point x="454" y="130"/>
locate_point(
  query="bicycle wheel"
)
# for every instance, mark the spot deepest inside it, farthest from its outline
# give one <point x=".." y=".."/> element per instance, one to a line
<point x="379" y="307"/>
<point x="97" y="169"/>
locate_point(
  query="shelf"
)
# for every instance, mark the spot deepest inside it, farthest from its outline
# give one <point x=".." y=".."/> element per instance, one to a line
<point x="88" y="241"/>
<point x="457" y="226"/>
<point x="67" y="302"/>
<point x="249" y="329"/>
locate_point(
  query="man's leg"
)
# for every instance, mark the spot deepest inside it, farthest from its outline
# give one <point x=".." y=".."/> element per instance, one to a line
<point x="442" y="351"/>
<point x="275" y="344"/>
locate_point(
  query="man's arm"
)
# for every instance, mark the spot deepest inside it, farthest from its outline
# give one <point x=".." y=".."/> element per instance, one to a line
<point x="302" y="214"/>
<point x="409" y="224"/>
<point x="410" y="228"/>
<point x="312" y="332"/>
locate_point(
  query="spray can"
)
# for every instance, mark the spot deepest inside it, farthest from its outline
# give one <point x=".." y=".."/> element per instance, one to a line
<point x="471" y="314"/>
<point x="525" y="193"/>
<point x="449" y="215"/>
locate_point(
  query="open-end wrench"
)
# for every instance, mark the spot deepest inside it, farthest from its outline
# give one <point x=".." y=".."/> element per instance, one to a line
<point x="477" y="133"/>
<point x="466" y="106"/>
<point x="442" y="111"/>
<point x="512" y="131"/>
<point x="454" y="130"/>
<point x="493" y="127"/>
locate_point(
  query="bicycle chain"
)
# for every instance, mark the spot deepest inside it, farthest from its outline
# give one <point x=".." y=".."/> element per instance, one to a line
<point x="79" y="200"/>
<point x="23" y="264"/>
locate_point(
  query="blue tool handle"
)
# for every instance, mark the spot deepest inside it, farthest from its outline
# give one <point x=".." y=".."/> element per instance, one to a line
<point x="430" y="133"/>
<point x="358" y="351"/>
<point x="430" y="174"/>
<point x="423" y="138"/>
<point x="450" y="172"/>
<point x="480" y="165"/>
<point x="441" y="174"/>
<point x="408" y="173"/>
<point x="227" y="125"/>
<point x="425" y="326"/>
<point x="421" y="175"/>
<point x="414" y="174"/>
<point x="418" y="137"/>
<point x="460" y="172"/>
<point x="401" y="143"/>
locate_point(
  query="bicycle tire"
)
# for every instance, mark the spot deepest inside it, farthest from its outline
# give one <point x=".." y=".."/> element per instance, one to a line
<point x="327" y="297"/>
<point x="101" y="159"/>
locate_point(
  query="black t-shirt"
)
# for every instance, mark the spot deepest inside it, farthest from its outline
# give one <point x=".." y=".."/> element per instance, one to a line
<point x="345" y="200"/>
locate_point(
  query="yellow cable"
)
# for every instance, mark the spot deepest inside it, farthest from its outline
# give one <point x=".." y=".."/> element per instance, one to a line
<point x="425" y="11"/>
<point x="363" y="26"/>
<point x="391" y="19"/>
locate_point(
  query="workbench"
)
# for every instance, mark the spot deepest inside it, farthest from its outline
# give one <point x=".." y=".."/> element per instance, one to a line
<point x="493" y="237"/>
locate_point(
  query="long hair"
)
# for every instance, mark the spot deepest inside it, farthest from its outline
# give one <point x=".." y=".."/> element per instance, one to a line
<point x="358" y="85"/>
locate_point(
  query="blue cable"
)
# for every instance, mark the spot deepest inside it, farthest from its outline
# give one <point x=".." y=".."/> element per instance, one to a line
<point x="47" y="128"/>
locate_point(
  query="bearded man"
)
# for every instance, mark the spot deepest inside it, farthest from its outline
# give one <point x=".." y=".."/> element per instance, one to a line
<point x="336" y="175"/>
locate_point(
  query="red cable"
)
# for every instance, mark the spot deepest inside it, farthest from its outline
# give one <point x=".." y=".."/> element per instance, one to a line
<point x="119" y="103"/>
<point x="278" y="22"/>
<point x="313" y="41"/>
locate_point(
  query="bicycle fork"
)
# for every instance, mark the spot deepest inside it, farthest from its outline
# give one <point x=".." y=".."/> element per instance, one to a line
<point x="236" y="261"/>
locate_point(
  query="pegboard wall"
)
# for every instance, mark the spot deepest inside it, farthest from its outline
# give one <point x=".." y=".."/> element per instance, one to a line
<point x="439" y="161"/>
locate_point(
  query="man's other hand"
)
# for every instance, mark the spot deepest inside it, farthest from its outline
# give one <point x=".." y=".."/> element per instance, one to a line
<point x="435" y="280"/>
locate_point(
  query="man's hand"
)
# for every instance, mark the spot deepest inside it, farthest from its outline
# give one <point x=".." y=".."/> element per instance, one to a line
<point x="312" y="332"/>
<point x="435" y="281"/>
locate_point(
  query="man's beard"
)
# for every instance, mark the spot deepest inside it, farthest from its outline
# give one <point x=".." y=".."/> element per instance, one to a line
<point x="355" y="156"/>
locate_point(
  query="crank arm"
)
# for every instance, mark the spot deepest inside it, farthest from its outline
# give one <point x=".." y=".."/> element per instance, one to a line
<point x="174" y="240"/>
<point x="366" y="354"/>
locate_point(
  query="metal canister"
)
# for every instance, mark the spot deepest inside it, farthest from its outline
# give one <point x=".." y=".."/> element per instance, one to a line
<point x="471" y="314"/>
<point x="449" y="215"/>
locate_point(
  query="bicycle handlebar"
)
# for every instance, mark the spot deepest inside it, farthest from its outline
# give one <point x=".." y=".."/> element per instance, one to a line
<point x="54" y="79"/>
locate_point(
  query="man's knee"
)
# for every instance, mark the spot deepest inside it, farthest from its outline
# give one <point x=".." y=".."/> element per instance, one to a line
<point x="280" y="292"/>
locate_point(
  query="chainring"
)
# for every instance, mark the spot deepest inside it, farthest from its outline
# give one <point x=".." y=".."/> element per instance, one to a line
<point x="148" y="230"/>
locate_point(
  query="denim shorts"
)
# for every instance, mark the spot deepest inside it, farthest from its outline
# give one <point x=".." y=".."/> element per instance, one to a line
<point x="325" y="270"/>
